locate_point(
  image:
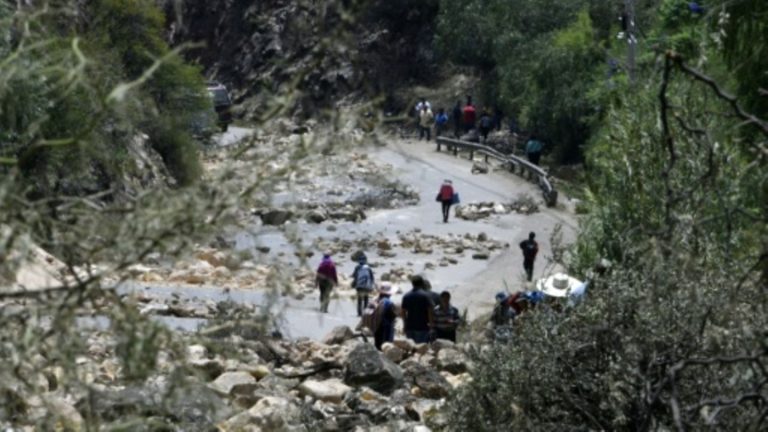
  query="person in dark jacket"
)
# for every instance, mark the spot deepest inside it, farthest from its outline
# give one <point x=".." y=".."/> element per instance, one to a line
<point x="458" y="120"/>
<point x="417" y="311"/>
<point x="325" y="280"/>
<point x="530" y="248"/>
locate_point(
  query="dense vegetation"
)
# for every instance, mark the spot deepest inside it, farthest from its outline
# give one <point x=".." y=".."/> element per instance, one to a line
<point x="76" y="94"/>
<point x="674" y="336"/>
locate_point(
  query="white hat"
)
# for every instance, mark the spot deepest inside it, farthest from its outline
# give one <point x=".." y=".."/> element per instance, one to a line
<point x="557" y="285"/>
<point x="386" y="288"/>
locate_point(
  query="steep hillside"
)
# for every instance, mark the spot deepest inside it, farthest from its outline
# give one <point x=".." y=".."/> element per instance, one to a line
<point x="330" y="50"/>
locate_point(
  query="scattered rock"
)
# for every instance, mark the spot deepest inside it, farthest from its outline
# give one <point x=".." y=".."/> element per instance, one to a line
<point x="276" y="217"/>
<point x="331" y="390"/>
<point x="393" y="352"/>
<point x="338" y="335"/>
<point x="480" y="168"/>
<point x="451" y="360"/>
<point x="233" y="383"/>
<point x="481" y="255"/>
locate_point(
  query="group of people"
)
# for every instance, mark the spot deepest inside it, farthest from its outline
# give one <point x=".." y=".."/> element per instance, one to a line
<point x="465" y="119"/>
<point x="426" y="315"/>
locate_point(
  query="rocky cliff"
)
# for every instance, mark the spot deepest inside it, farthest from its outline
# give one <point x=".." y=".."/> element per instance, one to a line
<point x="327" y="50"/>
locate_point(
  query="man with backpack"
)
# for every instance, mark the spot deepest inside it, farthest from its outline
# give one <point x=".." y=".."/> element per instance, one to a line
<point x="362" y="281"/>
<point x="380" y="316"/>
<point x="533" y="149"/>
<point x="416" y="312"/>
<point x="530" y="248"/>
<point x="445" y="196"/>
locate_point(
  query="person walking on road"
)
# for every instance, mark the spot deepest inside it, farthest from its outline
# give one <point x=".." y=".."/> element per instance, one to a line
<point x="416" y="312"/>
<point x="533" y="149"/>
<point x="426" y="118"/>
<point x="445" y="197"/>
<point x="325" y="280"/>
<point x="447" y="318"/>
<point x="530" y="248"/>
<point x="363" y="282"/>
<point x="458" y="120"/>
<point x="418" y="109"/>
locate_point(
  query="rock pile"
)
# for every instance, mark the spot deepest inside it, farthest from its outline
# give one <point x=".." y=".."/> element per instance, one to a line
<point x="261" y="385"/>
<point x="476" y="211"/>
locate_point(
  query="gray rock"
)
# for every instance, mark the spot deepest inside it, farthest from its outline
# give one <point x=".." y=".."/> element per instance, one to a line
<point x="451" y="360"/>
<point x="366" y="366"/>
<point x="393" y="352"/>
<point x="331" y="390"/>
<point x="276" y="216"/>
<point x="481" y="255"/>
<point x="233" y="383"/>
<point x="480" y="168"/>
<point x="316" y="216"/>
<point x="338" y="335"/>
<point x="431" y="384"/>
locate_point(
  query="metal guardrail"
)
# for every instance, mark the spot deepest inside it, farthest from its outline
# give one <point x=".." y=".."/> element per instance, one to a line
<point x="522" y="166"/>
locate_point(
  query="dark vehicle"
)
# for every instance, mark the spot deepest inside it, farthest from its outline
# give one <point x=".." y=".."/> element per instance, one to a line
<point x="222" y="103"/>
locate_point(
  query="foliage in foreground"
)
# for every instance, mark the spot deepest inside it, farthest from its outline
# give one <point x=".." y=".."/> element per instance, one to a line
<point x="674" y="337"/>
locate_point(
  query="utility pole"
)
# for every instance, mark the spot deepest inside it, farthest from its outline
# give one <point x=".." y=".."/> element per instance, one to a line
<point x="630" y="31"/>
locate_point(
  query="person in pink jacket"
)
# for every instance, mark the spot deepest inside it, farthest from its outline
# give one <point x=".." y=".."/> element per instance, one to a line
<point x="445" y="197"/>
<point x="326" y="279"/>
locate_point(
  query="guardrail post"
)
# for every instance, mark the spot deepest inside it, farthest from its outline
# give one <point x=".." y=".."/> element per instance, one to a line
<point x="438" y="145"/>
<point x="471" y="155"/>
<point x="455" y="150"/>
<point x="486" y="158"/>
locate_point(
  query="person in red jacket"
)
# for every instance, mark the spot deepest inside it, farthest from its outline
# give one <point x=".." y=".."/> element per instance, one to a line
<point x="470" y="115"/>
<point x="445" y="196"/>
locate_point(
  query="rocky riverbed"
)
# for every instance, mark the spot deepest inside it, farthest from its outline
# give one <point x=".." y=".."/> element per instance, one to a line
<point x="227" y="379"/>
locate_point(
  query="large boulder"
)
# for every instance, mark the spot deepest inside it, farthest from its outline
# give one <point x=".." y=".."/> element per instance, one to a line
<point x="366" y="366"/>
<point x="233" y="383"/>
<point x="331" y="390"/>
<point x="338" y="335"/>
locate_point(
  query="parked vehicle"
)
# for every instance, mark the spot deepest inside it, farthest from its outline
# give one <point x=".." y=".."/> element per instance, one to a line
<point x="221" y="103"/>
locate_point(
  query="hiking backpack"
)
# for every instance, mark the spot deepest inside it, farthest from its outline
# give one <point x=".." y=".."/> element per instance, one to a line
<point x="364" y="278"/>
<point x="373" y="315"/>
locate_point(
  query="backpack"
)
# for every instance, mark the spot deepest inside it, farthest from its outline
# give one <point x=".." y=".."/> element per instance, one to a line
<point x="364" y="278"/>
<point x="373" y="315"/>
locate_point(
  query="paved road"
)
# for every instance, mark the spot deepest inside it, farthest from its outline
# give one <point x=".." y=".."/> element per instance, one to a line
<point x="472" y="283"/>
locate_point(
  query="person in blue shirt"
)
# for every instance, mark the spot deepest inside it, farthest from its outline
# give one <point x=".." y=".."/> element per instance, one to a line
<point x="441" y="122"/>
